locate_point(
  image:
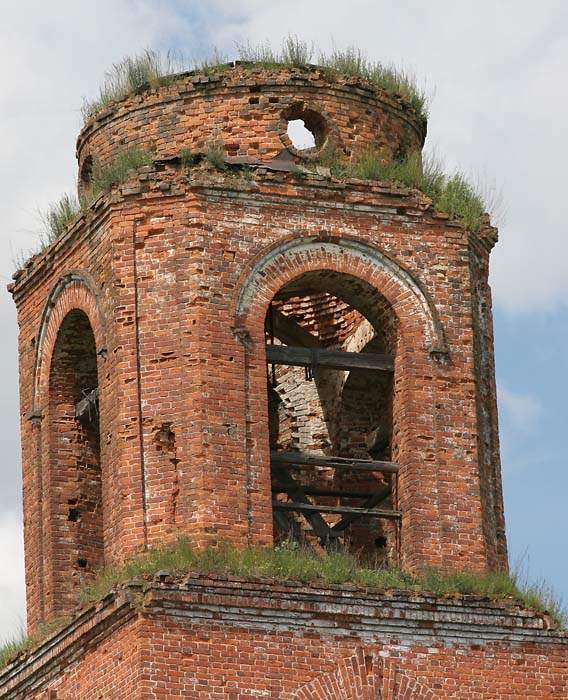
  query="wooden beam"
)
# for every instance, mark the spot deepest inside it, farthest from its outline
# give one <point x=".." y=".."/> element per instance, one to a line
<point x="296" y="493"/>
<point x="331" y="359"/>
<point x="343" y="510"/>
<point x="291" y="332"/>
<point x="371" y="502"/>
<point x="87" y="404"/>
<point x="337" y="493"/>
<point x="301" y="459"/>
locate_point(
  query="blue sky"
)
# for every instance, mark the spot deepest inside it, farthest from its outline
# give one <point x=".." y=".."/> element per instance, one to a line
<point x="495" y="71"/>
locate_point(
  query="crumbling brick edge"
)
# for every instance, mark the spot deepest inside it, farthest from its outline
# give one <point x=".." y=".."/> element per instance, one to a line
<point x="338" y="611"/>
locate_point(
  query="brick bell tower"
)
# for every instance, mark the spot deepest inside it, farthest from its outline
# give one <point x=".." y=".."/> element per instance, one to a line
<point x="244" y="348"/>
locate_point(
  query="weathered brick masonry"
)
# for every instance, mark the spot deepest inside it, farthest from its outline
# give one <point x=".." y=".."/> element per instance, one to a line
<point x="162" y="298"/>
<point x="236" y="639"/>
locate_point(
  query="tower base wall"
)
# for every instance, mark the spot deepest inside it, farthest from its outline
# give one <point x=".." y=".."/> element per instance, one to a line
<point x="204" y="637"/>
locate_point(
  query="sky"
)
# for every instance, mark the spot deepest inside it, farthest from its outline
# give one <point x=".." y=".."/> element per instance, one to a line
<point x="495" y="74"/>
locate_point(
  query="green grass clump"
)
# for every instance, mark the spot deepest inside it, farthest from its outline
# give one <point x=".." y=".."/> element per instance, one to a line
<point x="21" y="642"/>
<point x="451" y="194"/>
<point x="150" y="68"/>
<point x="215" y="155"/>
<point x="187" y="158"/>
<point x="57" y="217"/>
<point x="291" y="562"/>
<point x="133" y="74"/>
<point x="354" y="62"/>
<point x="104" y="178"/>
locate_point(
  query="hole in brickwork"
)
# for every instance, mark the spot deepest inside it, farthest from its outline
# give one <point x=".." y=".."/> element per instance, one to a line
<point x="87" y="172"/>
<point x="73" y="515"/>
<point x="74" y="450"/>
<point x="300" y="136"/>
<point x="329" y="412"/>
<point x="305" y="128"/>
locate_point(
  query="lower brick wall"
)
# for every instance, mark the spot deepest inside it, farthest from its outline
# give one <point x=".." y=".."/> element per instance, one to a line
<point x="236" y="639"/>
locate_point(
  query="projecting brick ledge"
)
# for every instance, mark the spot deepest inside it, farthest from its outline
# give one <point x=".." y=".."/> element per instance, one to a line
<point x="277" y="609"/>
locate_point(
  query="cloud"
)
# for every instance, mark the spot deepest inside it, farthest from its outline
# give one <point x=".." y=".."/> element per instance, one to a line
<point x="12" y="590"/>
<point x="520" y="411"/>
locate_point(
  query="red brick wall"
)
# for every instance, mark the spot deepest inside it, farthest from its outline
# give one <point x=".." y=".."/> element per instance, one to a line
<point x="175" y="271"/>
<point x="215" y="639"/>
<point x="248" y="112"/>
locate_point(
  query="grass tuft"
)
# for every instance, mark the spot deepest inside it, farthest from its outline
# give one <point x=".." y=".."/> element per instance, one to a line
<point x="134" y="74"/>
<point x="150" y="68"/>
<point x="187" y="158"/>
<point x="451" y="194"/>
<point x="292" y="562"/>
<point x="57" y="217"/>
<point x="21" y="642"/>
<point x="215" y="155"/>
<point x="117" y="172"/>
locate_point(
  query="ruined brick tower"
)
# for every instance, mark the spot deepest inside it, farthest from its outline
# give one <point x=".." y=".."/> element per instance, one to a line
<point x="245" y="349"/>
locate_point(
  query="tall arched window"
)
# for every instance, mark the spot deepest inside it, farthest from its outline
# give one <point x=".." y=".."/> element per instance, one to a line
<point x="331" y="343"/>
<point x="75" y="488"/>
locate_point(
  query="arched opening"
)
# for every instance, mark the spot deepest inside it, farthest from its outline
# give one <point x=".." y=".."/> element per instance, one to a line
<point x="331" y="343"/>
<point x="75" y="489"/>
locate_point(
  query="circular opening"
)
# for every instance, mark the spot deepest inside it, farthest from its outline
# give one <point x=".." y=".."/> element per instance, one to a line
<point x="306" y="129"/>
<point x="300" y="136"/>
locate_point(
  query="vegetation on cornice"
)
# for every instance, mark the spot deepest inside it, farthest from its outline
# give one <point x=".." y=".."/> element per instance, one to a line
<point x="451" y="194"/>
<point x="60" y="215"/>
<point x="149" y="69"/>
<point x="293" y="563"/>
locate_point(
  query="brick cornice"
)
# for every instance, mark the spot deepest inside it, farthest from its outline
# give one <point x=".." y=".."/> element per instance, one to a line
<point x="408" y="619"/>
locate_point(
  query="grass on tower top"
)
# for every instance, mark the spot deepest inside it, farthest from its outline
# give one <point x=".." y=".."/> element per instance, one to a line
<point x="151" y="68"/>
<point x="291" y="562"/>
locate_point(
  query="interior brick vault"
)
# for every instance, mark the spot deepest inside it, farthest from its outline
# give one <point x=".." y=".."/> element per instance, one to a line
<point x="253" y="352"/>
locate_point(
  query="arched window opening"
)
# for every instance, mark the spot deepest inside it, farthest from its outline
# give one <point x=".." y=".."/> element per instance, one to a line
<point x="76" y="514"/>
<point x="331" y="344"/>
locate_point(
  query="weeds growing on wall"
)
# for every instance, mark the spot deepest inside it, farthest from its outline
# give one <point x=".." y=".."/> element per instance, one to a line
<point x="291" y="562"/>
<point x="453" y="194"/>
<point x="103" y="178"/>
<point x="151" y="69"/>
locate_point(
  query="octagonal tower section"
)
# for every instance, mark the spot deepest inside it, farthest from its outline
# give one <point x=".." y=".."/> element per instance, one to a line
<point x="242" y="348"/>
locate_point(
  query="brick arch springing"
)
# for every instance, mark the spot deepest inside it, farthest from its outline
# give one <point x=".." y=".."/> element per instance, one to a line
<point x="74" y="290"/>
<point x="356" y="677"/>
<point x="420" y="337"/>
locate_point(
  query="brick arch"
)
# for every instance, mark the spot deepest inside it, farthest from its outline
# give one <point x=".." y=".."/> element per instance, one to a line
<point x="298" y="256"/>
<point x="356" y="677"/>
<point x="76" y="290"/>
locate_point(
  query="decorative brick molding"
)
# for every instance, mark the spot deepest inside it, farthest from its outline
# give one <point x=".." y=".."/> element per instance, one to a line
<point x="239" y="638"/>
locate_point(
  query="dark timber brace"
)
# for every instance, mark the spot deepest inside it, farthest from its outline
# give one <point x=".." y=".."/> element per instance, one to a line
<point x="88" y="406"/>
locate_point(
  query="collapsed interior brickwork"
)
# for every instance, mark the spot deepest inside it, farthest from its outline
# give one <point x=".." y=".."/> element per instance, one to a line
<point x="254" y="353"/>
<point x="342" y="413"/>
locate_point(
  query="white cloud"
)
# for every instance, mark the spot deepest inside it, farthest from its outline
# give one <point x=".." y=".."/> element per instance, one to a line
<point x="12" y="592"/>
<point x="520" y="411"/>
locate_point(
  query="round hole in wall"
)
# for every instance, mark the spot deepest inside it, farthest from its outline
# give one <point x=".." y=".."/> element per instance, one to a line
<point x="306" y="129"/>
<point x="300" y="136"/>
